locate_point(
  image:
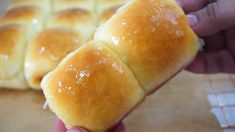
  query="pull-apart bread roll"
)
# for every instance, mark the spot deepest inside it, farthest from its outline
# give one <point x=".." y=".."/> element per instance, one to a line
<point x="66" y="31"/>
<point x="18" y="26"/>
<point x="45" y="4"/>
<point x="106" y="8"/>
<point x="153" y="38"/>
<point x="65" y="4"/>
<point x="78" y="19"/>
<point x="30" y="16"/>
<point x="92" y="88"/>
<point x="12" y="46"/>
<point x="46" y="50"/>
<point x="72" y="9"/>
<point x="142" y="46"/>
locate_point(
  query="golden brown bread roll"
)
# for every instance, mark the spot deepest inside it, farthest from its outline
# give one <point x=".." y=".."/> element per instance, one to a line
<point x="45" y="4"/>
<point x="152" y="38"/>
<point x="45" y="52"/>
<point x="107" y="13"/>
<point x="65" y="31"/>
<point x="106" y="8"/>
<point x="30" y="16"/>
<point x="23" y="20"/>
<point x="65" y="4"/>
<point x="142" y="46"/>
<point x="12" y="47"/>
<point x="77" y="19"/>
<point x="92" y="88"/>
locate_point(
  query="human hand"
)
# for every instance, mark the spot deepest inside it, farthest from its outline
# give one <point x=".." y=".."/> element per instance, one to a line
<point x="60" y="127"/>
<point x="214" y="21"/>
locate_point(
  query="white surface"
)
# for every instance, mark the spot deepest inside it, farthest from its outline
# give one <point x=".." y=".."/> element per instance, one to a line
<point x="221" y="95"/>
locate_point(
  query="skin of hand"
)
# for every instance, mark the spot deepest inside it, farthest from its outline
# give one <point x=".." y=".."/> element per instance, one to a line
<point x="214" y="22"/>
<point x="60" y="127"/>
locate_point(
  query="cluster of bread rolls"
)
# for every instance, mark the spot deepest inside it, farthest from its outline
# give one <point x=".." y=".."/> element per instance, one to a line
<point x="132" y="54"/>
<point x="35" y="35"/>
<point x="18" y="25"/>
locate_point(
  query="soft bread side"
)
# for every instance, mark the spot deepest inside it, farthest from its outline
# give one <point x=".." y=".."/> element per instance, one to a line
<point x="153" y="38"/>
<point x="12" y="46"/>
<point x="106" y="8"/>
<point x="92" y="88"/>
<point x="46" y="51"/>
<point x="44" y="4"/>
<point x="59" y="5"/>
<point x="66" y="30"/>
<point x="79" y="19"/>
<point x="143" y="45"/>
<point x="29" y="15"/>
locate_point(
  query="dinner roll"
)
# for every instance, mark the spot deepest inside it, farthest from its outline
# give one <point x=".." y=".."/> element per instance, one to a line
<point x="44" y="4"/>
<point x="65" y="4"/>
<point x="46" y="50"/>
<point x="141" y="47"/>
<point x="12" y="48"/>
<point x="77" y="19"/>
<point x="92" y="88"/>
<point x="30" y="16"/>
<point x="106" y="8"/>
<point x="153" y="38"/>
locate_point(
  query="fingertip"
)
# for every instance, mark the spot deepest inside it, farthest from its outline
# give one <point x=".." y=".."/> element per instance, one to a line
<point x="59" y="126"/>
<point x="192" y="20"/>
<point x="120" y="128"/>
<point x="77" y="129"/>
<point x="198" y="65"/>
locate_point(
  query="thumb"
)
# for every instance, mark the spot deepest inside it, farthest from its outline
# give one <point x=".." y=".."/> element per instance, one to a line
<point x="213" y="18"/>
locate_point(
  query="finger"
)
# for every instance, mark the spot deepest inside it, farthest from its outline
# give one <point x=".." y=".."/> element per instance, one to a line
<point x="216" y="62"/>
<point x="118" y="128"/>
<point x="215" y="42"/>
<point x="213" y="18"/>
<point x="198" y="65"/>
<point x="59" y="126"/>
<point x="193" y="5"/>
<point x="77" y="129"/>
<point x="230" y="37"/>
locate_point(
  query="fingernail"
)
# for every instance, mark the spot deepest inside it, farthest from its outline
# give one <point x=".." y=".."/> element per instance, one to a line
<point x="192" y="20"/>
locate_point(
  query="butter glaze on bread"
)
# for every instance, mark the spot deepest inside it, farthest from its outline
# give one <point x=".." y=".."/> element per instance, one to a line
<point x="12" y="46"/>
<point x="47" y="49"/>
<point x="92" y="88"/>
<point x="66" y="30"/>
<point x="142" y="46"/>
<point x="19" y="24"/>
<point x="152" y="38"/>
